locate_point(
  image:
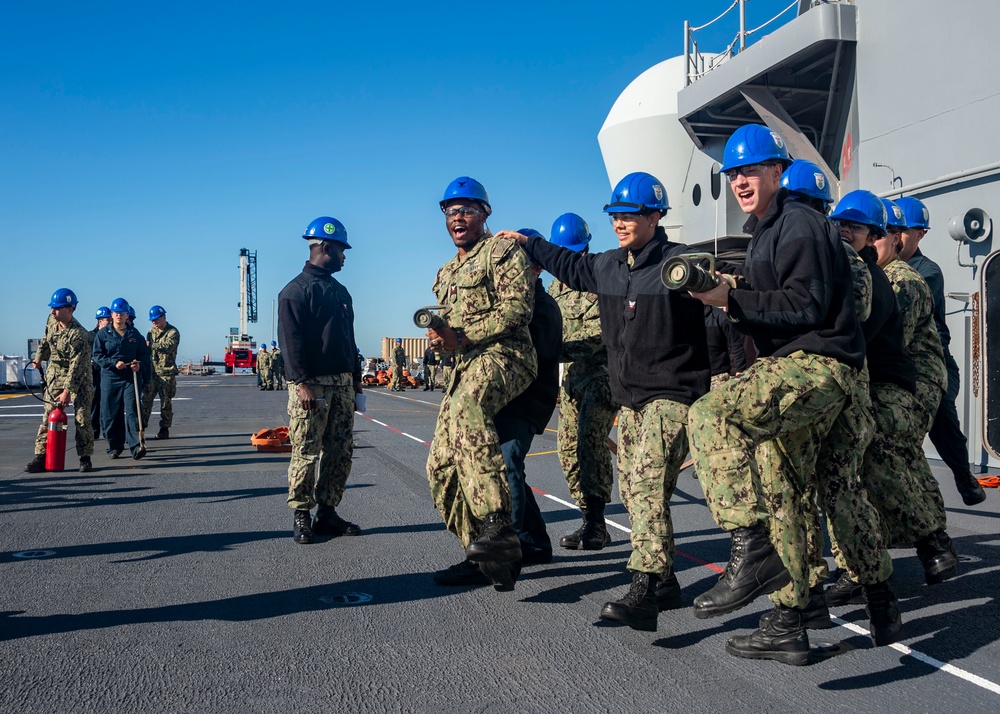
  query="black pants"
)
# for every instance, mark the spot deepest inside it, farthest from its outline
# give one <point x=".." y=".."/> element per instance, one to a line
<point x="946" y="432"/>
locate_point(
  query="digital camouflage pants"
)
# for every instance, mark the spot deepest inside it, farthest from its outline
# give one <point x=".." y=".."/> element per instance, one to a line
<point x="652" y="443"/>
<point x="322" y="443"/>
<point x="165" y="388"/>
<point x="465" y="468"/>
<point x="586" y="415"/>
<point x="794" y="402"/>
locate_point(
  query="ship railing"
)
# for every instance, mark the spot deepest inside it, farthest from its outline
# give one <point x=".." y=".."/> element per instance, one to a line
<point x="695" y="65"/>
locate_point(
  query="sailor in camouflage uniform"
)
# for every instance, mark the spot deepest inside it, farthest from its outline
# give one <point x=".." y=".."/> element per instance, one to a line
<point x="586" y="410"/>
<point x="277" y="365"/>
<point x="67" y="348"/>
<point x="488" y="290"/>
<point x="912" y="507"/>
<point x="163" y="340"/>
<point x="398" y="359"/>
<point x="316" y="326"/>
<point x="795" y="300"/>
<point x="263" y="368"/>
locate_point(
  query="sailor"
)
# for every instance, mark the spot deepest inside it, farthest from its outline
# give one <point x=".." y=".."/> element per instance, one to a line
<point x="103" y="317"/>
<point x="658" y="365"/>
<point x="794" y="300"/>
<point x="900" y="449"/>
<point x="121" y="351"/>
<point x="430" y="368"/>
<point x="163" y="340"/>
<point x="263" y="368"/>
<point x="946" y="432"/>
<point x="586" y="409"/>
<point x="488" y="288"/>
<point x="277" y="367"/>
<point x="517" y="424"/>
<point x="398" y="359"/>
<point x="66" y="347"/>
<point x="316" y="326"/>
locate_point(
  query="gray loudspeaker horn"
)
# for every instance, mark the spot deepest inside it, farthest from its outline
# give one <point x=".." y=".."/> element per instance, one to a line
<point x="974" y="226"/>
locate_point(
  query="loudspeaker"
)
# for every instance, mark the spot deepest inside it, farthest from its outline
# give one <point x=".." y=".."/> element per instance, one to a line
<point x="974" y="226"/>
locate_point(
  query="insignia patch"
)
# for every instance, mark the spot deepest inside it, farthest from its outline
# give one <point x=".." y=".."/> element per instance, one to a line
<point x="927" y="215"/>
<point x="777" y="139"/>
<point x="820" y="181"/>
<point x="897" y="212"/>
<point x="658" y="191"/>
<point x="631" y="304"/>
<point x="329" y="229"/>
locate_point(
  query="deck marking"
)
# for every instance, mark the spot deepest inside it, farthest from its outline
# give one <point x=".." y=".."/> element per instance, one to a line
<point x="920" y="656"/>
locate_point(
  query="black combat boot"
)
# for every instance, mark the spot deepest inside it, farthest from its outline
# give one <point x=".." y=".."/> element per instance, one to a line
<point x="497" y="542"/>
<point x="36" y="465"/>
<point x="302" y="527"/>
<point x="638" y="609"/>
<point x="85" y="465"/>
<point x="502" y="575"/>
<point x="667" y="593"/>
<point x="328" y="522"/>
<point x="846" y="591"/>
<point x="883" y="613"/>
<point x="593" y="532"/>
<point x="939" y="557"/>
<point x="571" y="541"/>
<point x="754" y="568"/>
<point x="464" y="573"/>
<point x="815" y="615"/>
<point x="781" y="637"/>
<point x="163" y="433"/>
<point x="970" y="488"/>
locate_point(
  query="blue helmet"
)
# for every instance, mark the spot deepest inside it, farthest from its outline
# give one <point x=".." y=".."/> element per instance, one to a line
<point x="466" y="187"/>
<point x="530" y="232"/>
<point x="119" y="305"/>
<point x="636" y="193"/>
<point x="807" y="179"/>
<point x="131" y="312"/>
<point x="861" y="207"/>
<point x="753" y="144"/>
<point x="103" y="313"/>
<point x="915" y="212"/>
<point x="894" y="217"/>
<point x="263" y="346"/>
<point x="399" y="340"/>
<point x="571" y="231"/>
<point x="156" y="312"/>
<point x="273" y="343"/>
<point x="327" y="228"/>
<point x="63" y="297"/>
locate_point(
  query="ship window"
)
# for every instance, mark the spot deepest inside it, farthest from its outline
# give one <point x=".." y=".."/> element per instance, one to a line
<point x="716" y="183"/>
<point x="696" y="194"/>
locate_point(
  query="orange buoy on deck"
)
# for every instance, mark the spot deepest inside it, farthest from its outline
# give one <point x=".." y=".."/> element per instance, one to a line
<point x="274" y="440"/>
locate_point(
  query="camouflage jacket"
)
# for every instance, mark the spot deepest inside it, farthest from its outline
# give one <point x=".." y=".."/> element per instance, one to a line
<point x="490" y="295"/>
<point x="68" y="352"/>
<point x="263" y="360"/>
<point x="920" y="336"/>
<point x="862" y="280"/>
<point x="581" y="331"/>
<point x="163" y="345"/>
<point x="277" y="362"/>
<point x="399" y="357"/>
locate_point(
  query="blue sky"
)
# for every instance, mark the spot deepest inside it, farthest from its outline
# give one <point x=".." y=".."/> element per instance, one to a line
<point x="143" y="144"/>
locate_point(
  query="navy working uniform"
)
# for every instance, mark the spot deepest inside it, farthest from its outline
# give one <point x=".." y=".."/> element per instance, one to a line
<point x="119" y="418"/>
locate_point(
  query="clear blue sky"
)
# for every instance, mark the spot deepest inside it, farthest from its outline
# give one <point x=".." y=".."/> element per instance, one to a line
<point x="143" y="144"/>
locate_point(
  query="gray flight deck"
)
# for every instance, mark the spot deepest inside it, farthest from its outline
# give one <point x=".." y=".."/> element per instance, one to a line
<point x="173" y="585"/>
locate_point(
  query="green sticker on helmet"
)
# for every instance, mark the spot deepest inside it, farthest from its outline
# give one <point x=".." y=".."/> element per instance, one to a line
<point x="329" y="229"/>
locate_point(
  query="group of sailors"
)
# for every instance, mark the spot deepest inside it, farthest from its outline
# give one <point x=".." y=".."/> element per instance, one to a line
<point x="840" y="371"/>
<point x="105" y="372"/>
<point x="270" y="368"/>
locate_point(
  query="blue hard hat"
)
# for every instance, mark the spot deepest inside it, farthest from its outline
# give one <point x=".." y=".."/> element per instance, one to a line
<point x="399" y="339"/>
<point x="915" y="213"/>
<point x="807" y="179"/>
<point x="466" y="187"/>
<point x="156" y="312"/>
<point x="636" y="193"/>
<point x="861" y="207"/>
<point x="63" y="297"/>
<point x="103" y="313"/>
<point x="753" y="144"/>
<point x="530" y="232"/>
<point x="894" y="217"/>
<point x="273" y="343"/>
<point x="327" y="228"/>
<point x="571" y="231"/>
<point x="119" y="305"/>
<point x="131" y="312"/>
<point x="263" y="346"/>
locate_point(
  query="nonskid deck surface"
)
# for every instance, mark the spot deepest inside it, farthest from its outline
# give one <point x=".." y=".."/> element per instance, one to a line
<point x="173" y="584"/>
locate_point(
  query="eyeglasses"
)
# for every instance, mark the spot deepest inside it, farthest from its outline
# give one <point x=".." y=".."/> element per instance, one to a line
<point x="463" y="211"/>
<point x="624" y="217"/>
<point x="747" y="171"/>
<point x="851" y="225"/>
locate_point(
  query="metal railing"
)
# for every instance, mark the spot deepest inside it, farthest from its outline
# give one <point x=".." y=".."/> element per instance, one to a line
<point x="695" y="65"/>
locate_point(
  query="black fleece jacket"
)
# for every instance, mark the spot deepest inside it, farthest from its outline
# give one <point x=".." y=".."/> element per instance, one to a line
<point x="883" y="330"/>
<point x="801" y="292"/>
<point x="316" y="327"/>
<point x="655" y="337"/>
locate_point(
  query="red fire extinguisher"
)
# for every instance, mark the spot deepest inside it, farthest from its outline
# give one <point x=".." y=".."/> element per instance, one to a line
<point x="55" y="441"/>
